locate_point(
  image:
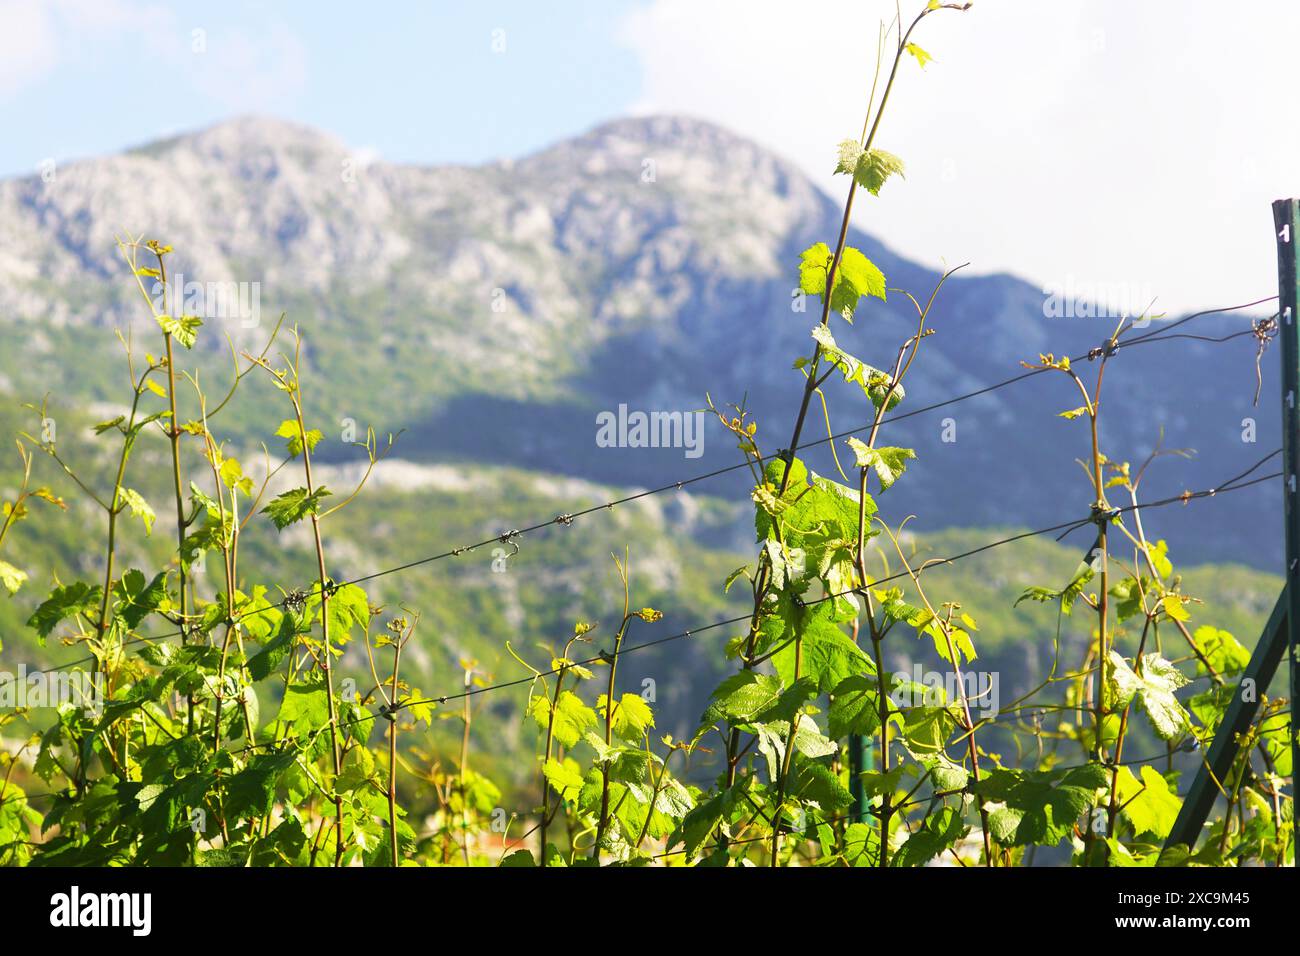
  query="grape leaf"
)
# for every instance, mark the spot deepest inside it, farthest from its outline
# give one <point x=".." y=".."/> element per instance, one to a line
<point x="921" y="56"/>
<point x="1038" y="806"/>
<point x="1224" y="652"/>
<point x="138" y="507"/>
<point x="1148" y="804"/>
<point x="11" y="577"/>
<point x="631" y="716"/>
<point x="305" y="706"/>
<point x="138" y="597"/>
<point x="563" y="776"/>
<point x="62" y="603"/>
<point x="888" y="463"/>
<point x="348" y="609"/>
<point x="874" y="167"/>
<point x="296" y="438"/>
<point x="855" y="276"/>
<point x="573" y="718"/>
<point x="828" y="654"/>
<point x="742" y="697"/>
<point x="855" y="707"/>
<point x="878" y="386"/>
<point x="940" y="831"/>
<point x="1153" y="690"/>
<point x="293" y="506"/>
<point x="184" y="330"/>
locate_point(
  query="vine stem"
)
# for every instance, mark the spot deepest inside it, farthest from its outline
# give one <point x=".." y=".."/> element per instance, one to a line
<point x="1150" y="626"/>
<point x="392" y="754"/>
<point x="1092" y="405"/>
<point x="466" y="715"/>
<point x="295" y="396"/>
<point x="547" y="812"/>
<point x="972" y="749"/>
<point x="174" y="440"/>
<point x="603" y="822"/>
<point x="786" y="759"/>
<point x="869" y="129"/>
<point x="546" y="755"/>
<point x="227" y="560"/>
<point x="114" y="509"/>
<point x="172" y="431"/>
<point x="906" y="355"/>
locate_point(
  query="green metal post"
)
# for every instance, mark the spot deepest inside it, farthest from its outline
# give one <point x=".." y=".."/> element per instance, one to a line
<point x="1286" y="221"/>
<point x="1241" y="713"/>
<point x="1284" y="623"/>
<point x="859" y="761"/>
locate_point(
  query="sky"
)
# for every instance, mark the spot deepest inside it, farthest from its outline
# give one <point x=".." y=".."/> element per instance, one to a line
<point x="1105" y="148"/>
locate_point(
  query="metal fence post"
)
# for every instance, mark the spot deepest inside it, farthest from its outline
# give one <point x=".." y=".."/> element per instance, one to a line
<point x="1286" y="221"/>
<point x="1284" y="623"/>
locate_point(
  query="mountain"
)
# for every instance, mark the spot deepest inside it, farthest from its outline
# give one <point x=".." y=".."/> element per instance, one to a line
<point x="495" y="311"/>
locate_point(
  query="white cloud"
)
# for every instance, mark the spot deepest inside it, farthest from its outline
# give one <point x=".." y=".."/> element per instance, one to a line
<point x="38" y="38"/>
<point x="28" y="45"/>
<point x="236" y="69"/>
<point x="1112" y="144"/>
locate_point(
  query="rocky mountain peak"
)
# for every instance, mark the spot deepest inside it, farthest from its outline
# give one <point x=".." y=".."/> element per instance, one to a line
<point x="491" y="309"/>
<point x="226" y="141"/>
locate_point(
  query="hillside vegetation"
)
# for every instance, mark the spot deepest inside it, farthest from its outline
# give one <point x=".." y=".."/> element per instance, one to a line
<point x="273" y="635"/>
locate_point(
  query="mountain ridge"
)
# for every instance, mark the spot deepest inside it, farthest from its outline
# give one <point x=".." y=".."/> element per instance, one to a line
<point x="495" y="310"/>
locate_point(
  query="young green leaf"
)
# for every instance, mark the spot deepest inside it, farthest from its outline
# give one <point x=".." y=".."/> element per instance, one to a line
<point x="878" y="386"/>
<point x="742" y="697"/>
<point x="940" y="831"/>
<point x="573" y="718"/>
<point x="184" y="330"/>
<point x="11" y="577"/>
<point x="631" y="717"/>
<point x="921" y="56"/>
<point x="828" y="655"/>
<point x="63" y="602"/>
<point x="888" y="463"/>
<point x="855" y="707"/>
<point x="296" y="438"/>
<point x="134" y="501"/>
<point x="849" y="152"/>
<point x="293" y="506"/>
<point x="1174" y="607"/>
<point x="926" y="729"/>
<point x="1153" y="689"/>
<point x="232" y="476"/>
<point x="1148" y="804"/>
<point x="564" y="777"/>
<point x="855" y="277"/>
<point x="349" y="610"/>
<point x="1224" y="652"/>
<point x="266" y="661"/>
<point x="305" y="706"/>
<point x="874" y="167"/>
<point x="137" y="596"/>
<point x="817" y="783"/>
<point x="1038" y="806"/>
